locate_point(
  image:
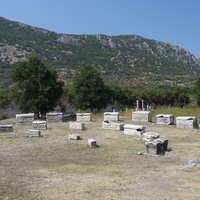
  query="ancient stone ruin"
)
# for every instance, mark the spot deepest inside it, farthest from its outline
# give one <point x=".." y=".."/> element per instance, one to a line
<point x="157" y="146"/>
<point x="54" y="117"/>
<point x="33" y="133"/>
<point x="83" y="117"/>
<point x="77" y="125"/>
<point x="6" y="128"/>
<point x="167" y="119"/>
<point x="92" y="143"/>
<point x="24" y="118"/>
<point x="74" y="136"/>
<point x="112" y="116"/>
<point x="142" y="116"/>
<point x="39" y="125"/>
<point x="189" y="122"/>
<point x="150" y="136"/>
<point x="112" y="125"/>
<point x="131" y="129"/>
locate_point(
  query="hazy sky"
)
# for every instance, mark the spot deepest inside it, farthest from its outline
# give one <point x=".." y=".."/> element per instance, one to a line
<point x="173" y="21"/>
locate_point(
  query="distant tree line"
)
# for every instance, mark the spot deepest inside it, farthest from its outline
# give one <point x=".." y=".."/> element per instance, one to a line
<point x="37" y="89"/>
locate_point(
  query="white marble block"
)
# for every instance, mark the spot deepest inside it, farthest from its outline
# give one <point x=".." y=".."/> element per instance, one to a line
<point x="24" y="118"/>
<point x="150" y="136"/>
<point x="92" y="143"/>
<point x="189" y="122"/>
<point x="86" y="117"/>
<point x="165" y="119"/>
<point x="54" y="117"/>
<point x="112" y="116"/>
<point x="77" y="125"/>
<point x="33" y="133"/>
<point x="112" y="125"/>
<point x="142" y="116"/>
<point x="39" y="125"/>
<point x="132" y="129"/>
<point x="74" y="136"/>
<point x="6" y="128"/>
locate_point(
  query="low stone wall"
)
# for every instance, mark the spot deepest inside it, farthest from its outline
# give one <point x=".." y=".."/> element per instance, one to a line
<point x="83" y="117"/>
<point x="165" y="119"/>
<point x="25" y="118"/>
<point x="142" y="116"/>
<point x="189" y="122"/>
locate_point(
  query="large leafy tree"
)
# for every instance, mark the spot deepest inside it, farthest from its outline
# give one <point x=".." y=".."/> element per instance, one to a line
<point x="36" y="86"/>
<point x="197" y="91"/>
<point x="89" y="90"/>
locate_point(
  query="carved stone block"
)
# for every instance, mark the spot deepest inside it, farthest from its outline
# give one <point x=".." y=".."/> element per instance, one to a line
<point x="74" y="136"/>
<point x="165" y="119"/>
<point x="112" y="125"/>
<point x="77" y="125"/>
<point x="33" y="133"/>
<point x="142" y="116"/>
<point x="189" y="122"/>
<point x="84" y="117"/>
<point x="39" y="125"/>
<point x="132" y="129"/>
<point x="6" y="128"/>
<point x="54" y="117"/>
<point x="150" y="136"/>
<point x="25" y="118"/>
<point x="92" y="143"/>
<point x="111" y="116"/>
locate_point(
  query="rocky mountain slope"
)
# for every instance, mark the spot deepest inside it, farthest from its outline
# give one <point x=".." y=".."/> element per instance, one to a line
<point x="123" y="59"/>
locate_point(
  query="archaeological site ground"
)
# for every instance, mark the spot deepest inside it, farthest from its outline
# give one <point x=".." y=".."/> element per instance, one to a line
<point x="52" y="167"/>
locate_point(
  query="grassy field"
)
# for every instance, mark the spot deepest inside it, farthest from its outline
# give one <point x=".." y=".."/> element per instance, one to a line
<point x="53" y="167"/>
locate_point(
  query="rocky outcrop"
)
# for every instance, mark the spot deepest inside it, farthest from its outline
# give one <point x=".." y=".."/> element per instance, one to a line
<point x="66" y="39"/>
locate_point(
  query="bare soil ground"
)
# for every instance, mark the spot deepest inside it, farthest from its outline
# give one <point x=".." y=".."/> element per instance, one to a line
<point x="53" y="167"/>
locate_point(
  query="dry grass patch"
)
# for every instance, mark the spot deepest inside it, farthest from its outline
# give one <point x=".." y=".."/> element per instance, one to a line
<point x="53" y="167"/>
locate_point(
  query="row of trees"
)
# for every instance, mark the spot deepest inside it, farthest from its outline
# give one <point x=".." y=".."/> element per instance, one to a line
<point x="37" y="89"/>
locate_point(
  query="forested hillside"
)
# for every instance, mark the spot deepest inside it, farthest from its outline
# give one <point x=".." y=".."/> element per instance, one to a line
<point x="124" y="59"/>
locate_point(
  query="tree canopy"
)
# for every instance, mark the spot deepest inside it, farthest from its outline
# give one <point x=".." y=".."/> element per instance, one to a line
<point x="88" y="89"/>
<point x="36" y="86"/>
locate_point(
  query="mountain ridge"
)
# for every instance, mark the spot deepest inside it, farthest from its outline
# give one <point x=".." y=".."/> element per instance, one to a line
<point x="123" y="59"/>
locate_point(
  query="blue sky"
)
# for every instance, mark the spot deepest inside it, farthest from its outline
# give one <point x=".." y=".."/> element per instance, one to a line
<point x="173" y="21"/>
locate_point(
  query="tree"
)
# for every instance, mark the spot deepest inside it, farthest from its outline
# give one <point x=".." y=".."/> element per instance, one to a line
<point x="36" y="86"/>
<point x="88" y="89"/>
<point x="197" y="91"/>
<point x="181" y="97"/>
